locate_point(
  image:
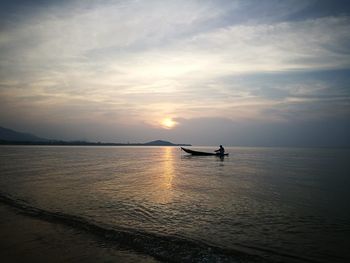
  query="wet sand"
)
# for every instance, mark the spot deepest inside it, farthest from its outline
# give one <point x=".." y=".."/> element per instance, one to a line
<point x="28" y="239"/>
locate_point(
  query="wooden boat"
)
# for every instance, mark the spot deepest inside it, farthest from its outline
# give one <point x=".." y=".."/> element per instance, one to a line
<point x="202" y="153"/>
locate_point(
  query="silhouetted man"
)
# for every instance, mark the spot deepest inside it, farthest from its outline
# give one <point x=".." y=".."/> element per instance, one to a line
<point x="221" y="150"/>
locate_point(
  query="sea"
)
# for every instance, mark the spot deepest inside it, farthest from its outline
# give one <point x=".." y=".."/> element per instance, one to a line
<point x="256" y="205"/>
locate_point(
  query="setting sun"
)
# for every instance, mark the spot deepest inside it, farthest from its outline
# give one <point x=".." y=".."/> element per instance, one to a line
<point x="168" y="123"/>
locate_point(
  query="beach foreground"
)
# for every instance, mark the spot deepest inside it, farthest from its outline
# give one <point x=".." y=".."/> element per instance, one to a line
<point x="28" y="239"/>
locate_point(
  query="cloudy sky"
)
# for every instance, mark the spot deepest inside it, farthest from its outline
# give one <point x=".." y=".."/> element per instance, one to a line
<point x="257" y="73"/>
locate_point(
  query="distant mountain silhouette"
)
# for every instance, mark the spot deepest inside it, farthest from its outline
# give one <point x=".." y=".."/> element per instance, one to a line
<point x="8" y="136"/>
<point x="159" y="142"/>
<point x="163" y="143"/>
<point x="15" y="136"/>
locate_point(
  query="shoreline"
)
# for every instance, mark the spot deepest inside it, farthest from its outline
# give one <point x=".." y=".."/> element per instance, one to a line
<point x="29" y="239"/>
<point x="122" y="245"/>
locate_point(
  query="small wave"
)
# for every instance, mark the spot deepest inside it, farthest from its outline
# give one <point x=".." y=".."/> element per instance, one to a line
<point x="165" y="248"/>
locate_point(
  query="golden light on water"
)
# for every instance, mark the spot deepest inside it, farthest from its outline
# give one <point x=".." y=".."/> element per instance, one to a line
<point x="162" y="183"/>
<point x="168" y="123"/>
<point x="168" y="168"/>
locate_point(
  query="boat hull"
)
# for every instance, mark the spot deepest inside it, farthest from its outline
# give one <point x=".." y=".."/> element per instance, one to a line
<point x="198" y="153"/>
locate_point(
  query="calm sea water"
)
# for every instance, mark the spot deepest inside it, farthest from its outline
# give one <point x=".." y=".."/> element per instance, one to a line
<point x="283" y="204"/>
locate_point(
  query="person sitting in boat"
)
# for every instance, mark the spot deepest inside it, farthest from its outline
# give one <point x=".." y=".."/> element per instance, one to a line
<point x="221" y="150"/>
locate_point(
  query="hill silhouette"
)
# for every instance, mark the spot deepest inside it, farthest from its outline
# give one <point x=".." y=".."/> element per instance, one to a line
<point x="12" y="137"/>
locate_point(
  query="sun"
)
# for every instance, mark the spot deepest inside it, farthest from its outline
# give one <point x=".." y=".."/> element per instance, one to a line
<point x="168" y="123"/>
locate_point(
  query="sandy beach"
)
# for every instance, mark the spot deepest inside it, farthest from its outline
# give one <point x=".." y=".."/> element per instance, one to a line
<point x="28" y="239"/>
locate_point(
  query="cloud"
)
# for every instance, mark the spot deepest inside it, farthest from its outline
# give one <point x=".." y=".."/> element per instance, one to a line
<point x="133" y="63"/>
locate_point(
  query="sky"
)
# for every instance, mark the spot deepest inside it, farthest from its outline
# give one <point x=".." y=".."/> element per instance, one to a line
<point x="246" y="73"/>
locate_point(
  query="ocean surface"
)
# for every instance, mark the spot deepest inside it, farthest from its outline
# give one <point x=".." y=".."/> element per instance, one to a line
<point x="273" y="204"/>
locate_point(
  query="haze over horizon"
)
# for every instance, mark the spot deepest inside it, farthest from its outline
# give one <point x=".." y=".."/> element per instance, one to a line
<point x="271" y="73"/>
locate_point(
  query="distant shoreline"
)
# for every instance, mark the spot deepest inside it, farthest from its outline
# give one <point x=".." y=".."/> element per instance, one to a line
<point x="78" y="143"/>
